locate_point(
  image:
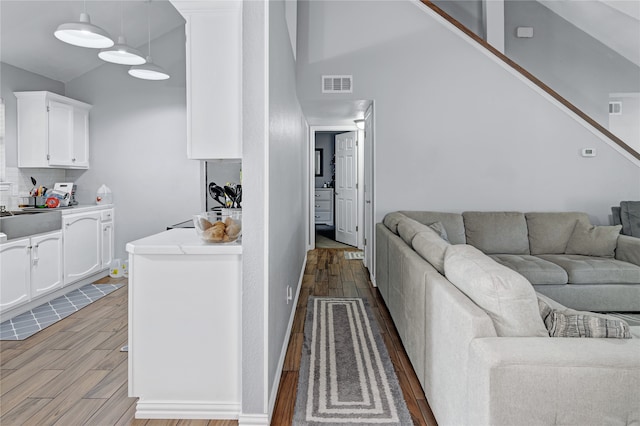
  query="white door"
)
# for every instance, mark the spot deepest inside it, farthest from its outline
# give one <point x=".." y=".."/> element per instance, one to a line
<point x="368" y="224"/>
<point x="345" y="188"/>
<point x="46" y="263"/>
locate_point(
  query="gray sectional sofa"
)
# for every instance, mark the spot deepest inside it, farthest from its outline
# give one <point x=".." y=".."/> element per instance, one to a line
<point x="477" y="368"/>
<point x="600" y="272"/>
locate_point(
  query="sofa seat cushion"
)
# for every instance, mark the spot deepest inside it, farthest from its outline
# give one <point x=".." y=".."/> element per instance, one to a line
<point x="497" y="232"/>
<point x="595" y="270"/>
<point x="506" y="296"/>
<point x="534" y="269"/>
<point x="549" y="232"/>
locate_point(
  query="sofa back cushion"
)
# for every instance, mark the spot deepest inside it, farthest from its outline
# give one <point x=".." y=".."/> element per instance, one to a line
<point x="452" y="223"/>
<point x="391" y="221"/>
<point x="497" y="232"/>
<point x="506" y="296"/>
<point x="408" y="228"/>
<point x="549" y="232"/>
<point x="431" y="247"/>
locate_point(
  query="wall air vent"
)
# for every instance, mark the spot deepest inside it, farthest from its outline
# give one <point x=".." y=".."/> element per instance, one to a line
<point x="615" y="108"/>
<point x="337" y="84"/>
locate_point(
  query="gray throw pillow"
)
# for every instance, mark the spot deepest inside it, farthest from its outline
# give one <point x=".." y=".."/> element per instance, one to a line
<point x="590" y="240"/>
<point x="439" y="228"/>
<point x="569" y="323"/>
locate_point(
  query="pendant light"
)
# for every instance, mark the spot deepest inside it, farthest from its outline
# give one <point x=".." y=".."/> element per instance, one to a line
<point x="121" y="53"/>
<point x="83" y="33"/>
<point x="149" y="70"/>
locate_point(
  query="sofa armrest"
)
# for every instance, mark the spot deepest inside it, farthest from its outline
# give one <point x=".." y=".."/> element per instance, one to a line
<point x="540" y="380"/>
<point x="628" y="249"/>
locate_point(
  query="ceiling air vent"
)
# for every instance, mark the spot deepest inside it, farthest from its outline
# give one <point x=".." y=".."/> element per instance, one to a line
<point x="615" y="108"/>
<point x="337" y="84"/>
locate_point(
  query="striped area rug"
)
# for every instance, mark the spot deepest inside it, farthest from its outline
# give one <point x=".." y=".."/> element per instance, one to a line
<point x="346" y="375"/>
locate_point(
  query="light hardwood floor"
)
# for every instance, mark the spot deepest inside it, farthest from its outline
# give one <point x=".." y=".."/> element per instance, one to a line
<point x="73" y="373"/>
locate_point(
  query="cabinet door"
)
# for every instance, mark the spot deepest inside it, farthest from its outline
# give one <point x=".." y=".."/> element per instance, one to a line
<point x="80" y="157"/>
<point x="46" y="263"/>
<point x="107" y="244"/>
<point x="14" y="273"/>
<point x="214" y="80"/>
<point x="82" y="246"/>
<point x="60" y="133"/>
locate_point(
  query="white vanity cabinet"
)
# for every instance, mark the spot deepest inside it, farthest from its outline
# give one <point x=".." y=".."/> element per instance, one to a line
<point x="31" y="267"/>
<point x="323" y="206"/>
<point x="53" y="131"/>
<point x="214" y="77"/>
<point x="82" y="234"/>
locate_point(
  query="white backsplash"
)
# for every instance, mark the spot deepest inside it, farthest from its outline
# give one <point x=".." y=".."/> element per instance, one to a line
<point x="21" y="183"/>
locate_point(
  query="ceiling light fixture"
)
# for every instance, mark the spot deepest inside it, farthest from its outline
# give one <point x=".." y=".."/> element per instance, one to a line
<point x="359" y="123"/>
<point x="83" y="33"/>
<point x="121" y="53"/>
<point x="149" y="70"/>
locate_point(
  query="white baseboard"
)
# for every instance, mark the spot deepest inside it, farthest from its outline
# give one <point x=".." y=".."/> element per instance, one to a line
<point x="253" y="420"/>
<point x="186" y="410"/>
<point x="283" y="351"/>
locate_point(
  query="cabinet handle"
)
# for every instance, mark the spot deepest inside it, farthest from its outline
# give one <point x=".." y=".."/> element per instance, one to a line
<point x="35" y="254"/>
<point x="317" y="217"/>
<point x="317" y="205"/>
<point x="73" y="159"/>
<point x="317" y="195"/>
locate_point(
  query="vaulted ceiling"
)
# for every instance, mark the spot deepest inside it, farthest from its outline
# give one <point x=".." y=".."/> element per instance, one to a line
<point x="27" y="41"/>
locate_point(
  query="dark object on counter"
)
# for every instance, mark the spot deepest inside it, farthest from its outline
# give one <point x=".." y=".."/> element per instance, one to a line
<point x="216" y="192"/>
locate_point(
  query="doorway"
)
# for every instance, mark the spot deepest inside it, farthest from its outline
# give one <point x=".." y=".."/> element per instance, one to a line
<point x="328" y="211"/>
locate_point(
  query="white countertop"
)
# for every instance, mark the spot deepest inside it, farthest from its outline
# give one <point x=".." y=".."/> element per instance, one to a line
<point x="180" y="241"/>
<point x="83" y="208"/>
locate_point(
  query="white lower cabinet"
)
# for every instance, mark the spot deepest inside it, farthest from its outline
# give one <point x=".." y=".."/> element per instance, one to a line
<point x="15" y="272"/>
<point x="108" y="234"/>
<point x="46" y="263"/>
<point x="30" y="268"/>
<point x="82" y="234"/>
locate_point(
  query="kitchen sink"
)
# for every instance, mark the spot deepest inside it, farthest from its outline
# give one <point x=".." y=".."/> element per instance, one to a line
<point x="23" y="223"/>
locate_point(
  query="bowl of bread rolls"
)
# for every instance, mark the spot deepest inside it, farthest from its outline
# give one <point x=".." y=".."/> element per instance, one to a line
<point x="219" y="227"/>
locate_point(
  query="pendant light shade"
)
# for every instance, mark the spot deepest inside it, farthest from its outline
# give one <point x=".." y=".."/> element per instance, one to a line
<point x="148" y="71"/>
<point x="84" y="34"/>
<point x="121" y="53"/>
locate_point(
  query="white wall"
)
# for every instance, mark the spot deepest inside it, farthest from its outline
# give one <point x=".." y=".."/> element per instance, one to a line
<point x="254" y="201"/>
<point x="455" y="131"/>
<point x="286" y="186"/>
<point x="138" y="144"/>
<point x="570" y="61"/>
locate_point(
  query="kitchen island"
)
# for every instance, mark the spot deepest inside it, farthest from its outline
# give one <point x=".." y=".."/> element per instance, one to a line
<point x="184" y="326"/>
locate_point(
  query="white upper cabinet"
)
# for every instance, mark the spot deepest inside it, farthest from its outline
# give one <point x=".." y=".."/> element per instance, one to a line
<point x="214" y="77"/>
<point x="53" y="131"/>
